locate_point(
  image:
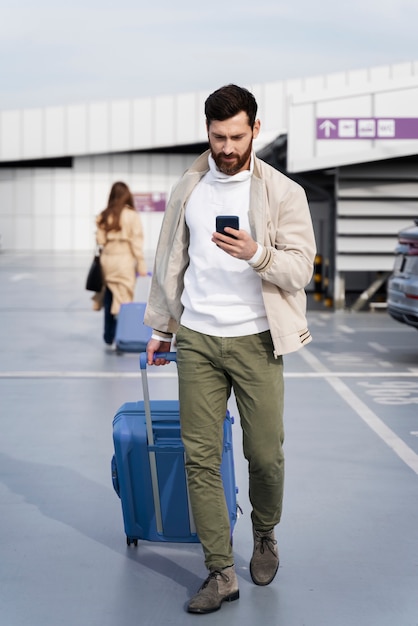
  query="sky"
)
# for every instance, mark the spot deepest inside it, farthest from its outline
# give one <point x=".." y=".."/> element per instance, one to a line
<point x="56" y="53"/>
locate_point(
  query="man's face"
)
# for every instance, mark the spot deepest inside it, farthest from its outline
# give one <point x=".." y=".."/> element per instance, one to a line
<point x="231" y="142"/>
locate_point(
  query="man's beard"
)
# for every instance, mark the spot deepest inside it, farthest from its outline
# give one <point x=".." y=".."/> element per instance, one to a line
<point x="231" y="167"/>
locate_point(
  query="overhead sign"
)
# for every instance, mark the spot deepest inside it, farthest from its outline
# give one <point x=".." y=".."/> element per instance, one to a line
<point x="367" y="128"/>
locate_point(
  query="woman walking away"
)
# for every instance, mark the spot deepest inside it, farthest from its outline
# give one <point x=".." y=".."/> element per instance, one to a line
<point x="120" y="233"/>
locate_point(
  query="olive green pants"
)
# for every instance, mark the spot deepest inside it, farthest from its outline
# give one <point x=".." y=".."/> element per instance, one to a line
<point x="209" y="367"/>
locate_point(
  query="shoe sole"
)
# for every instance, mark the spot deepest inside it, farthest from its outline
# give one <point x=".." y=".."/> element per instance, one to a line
<point x="231" y="598"/>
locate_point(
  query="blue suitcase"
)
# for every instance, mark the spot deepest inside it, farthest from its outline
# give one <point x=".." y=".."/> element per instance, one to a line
<point x="131" y="333"/>
<point x="148" y="470"/>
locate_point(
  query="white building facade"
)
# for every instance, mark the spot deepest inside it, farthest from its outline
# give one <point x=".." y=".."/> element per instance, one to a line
<point x="57" y="164"/>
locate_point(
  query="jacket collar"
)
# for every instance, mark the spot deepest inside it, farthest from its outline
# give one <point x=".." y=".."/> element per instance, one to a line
<point x="258" y="207"/>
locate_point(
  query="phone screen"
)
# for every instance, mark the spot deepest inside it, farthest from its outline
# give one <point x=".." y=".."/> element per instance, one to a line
<point x="226" y="220"/>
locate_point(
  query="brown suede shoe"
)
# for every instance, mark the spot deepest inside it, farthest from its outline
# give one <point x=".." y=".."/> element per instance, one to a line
<point x="265" y="560"/>
<point x="220" y="586"/>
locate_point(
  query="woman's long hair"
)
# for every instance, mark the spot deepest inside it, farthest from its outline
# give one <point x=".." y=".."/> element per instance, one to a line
<point x="120" y="196"/>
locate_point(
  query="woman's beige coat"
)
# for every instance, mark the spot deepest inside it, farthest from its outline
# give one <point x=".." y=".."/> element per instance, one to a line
<point x="122" y="257"/>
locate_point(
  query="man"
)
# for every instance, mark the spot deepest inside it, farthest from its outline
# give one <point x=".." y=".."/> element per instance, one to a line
<point x="236" y="303"/>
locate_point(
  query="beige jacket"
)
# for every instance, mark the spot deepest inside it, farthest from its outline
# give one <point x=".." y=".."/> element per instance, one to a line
<point x="122" y="257"/>
<point x="280" y="221"/>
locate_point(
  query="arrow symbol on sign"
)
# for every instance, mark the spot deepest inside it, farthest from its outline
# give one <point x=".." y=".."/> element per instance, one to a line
<point x="327" y="126"/>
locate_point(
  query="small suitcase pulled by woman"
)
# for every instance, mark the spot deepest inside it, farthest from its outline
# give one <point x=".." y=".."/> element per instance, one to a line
<point x="131" y="333"/>
<point x="148" y="469"/>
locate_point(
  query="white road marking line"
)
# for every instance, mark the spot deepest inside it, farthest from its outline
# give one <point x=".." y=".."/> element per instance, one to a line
<point x="377" y="346"/>
<point x="323" y="374"/>
<point x="346" y="329"/>
<point x="320" y="323"/>
<point x="385" y="364"/>
<point x="329" y="374"/>
<point x="84" y="375"/>
<point x="404" y="452"/>
<point x="17" y="277"/>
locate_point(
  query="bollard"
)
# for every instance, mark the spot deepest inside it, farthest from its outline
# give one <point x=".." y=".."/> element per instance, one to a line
<point x="328" y="301"/>
<point x="318" y="278"/>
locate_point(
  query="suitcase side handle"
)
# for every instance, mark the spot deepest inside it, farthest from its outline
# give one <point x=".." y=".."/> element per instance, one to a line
<point x="169" y="356"/>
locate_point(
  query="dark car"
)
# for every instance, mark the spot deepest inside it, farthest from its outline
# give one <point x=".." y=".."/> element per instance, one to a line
<point x="402" y="296"/>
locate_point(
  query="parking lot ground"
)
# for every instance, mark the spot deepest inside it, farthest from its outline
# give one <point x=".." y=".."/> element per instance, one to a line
<point x="349" y="534"/>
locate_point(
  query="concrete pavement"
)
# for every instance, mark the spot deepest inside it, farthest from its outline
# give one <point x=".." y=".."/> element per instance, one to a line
<point x="349" y="534"/>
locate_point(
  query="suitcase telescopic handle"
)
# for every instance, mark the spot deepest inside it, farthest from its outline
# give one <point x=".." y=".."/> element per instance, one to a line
<point x="168" y="356"/>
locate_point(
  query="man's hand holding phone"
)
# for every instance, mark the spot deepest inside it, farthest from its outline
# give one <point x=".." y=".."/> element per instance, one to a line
<point x="238" y="243"/>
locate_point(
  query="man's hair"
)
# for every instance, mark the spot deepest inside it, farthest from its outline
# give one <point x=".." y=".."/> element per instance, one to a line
<point x="228" y="101"/>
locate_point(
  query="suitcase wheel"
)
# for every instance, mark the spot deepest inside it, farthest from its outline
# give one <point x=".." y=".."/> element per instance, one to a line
<point x="129" y="540"/>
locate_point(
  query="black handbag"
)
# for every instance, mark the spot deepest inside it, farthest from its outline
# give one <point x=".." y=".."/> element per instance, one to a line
<point x="94" y="280"/>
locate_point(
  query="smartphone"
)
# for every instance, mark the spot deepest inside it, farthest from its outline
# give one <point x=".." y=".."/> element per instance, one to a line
<point x="226" y="220"/>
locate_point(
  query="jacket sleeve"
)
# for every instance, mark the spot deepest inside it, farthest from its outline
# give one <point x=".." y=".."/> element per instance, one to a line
<point x="100" y="233"/>
<point x="287" y="259"/>
<point x="137" y="243"/>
